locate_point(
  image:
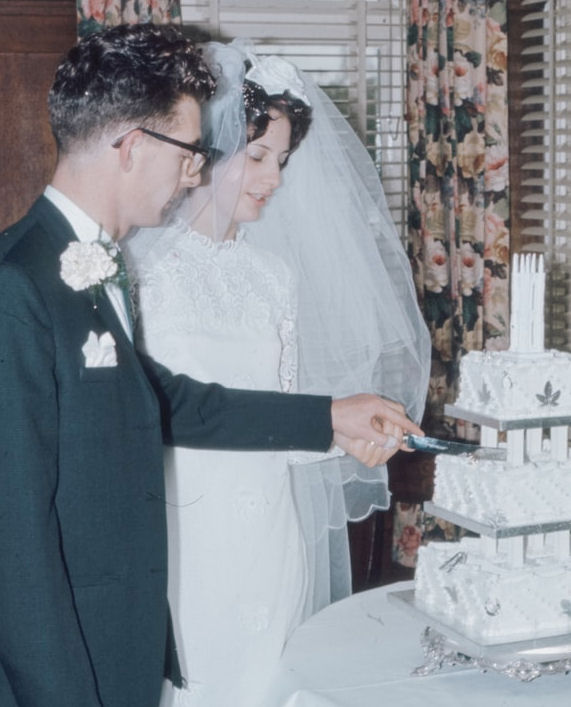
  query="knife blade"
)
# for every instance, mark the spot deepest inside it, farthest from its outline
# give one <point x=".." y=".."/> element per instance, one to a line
<point x="432" y="445"/>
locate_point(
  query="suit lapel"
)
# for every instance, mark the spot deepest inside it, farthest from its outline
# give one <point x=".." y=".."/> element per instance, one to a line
<point x="62" y="234"/>
<point x="59" y="230"/>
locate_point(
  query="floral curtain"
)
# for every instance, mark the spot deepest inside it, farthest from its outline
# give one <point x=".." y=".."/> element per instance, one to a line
<point x="458" y="210"/>
<point x="92" y="15"/>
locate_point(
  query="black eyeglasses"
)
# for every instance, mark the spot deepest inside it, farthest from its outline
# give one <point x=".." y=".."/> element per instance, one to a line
<point x="194" y="162"/>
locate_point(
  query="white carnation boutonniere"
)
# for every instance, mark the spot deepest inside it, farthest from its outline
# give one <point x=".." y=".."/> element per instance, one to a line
<point x="92" y="265"/>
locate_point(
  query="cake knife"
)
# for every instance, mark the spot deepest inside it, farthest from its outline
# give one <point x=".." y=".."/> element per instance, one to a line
<point x="444" y="446"/>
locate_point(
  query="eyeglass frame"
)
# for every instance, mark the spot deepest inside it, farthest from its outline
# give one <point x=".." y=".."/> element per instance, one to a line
<point x="196" y="150"/>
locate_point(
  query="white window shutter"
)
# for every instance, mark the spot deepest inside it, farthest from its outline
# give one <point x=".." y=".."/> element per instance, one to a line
<point x="545" y="203"/>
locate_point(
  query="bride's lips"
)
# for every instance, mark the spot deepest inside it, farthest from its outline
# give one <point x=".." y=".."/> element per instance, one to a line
<point x="260" y="199"/>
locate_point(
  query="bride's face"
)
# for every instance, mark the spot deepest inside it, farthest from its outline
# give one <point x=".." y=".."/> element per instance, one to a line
<point x="262" y="170"/>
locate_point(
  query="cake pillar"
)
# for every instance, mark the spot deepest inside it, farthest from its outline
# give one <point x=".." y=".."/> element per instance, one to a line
<point x="488" y="436"/>
<point x="559" y="443"/>
<point x="489" y="546"/>
<point x="560" y="543"/>
<point x="515" y="447"/>
<point x="533" y="441"/>
<point x="534" y="545"/>
<point x="514" y="548"/>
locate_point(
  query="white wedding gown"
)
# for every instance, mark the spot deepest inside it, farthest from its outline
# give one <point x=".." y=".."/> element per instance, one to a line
<point x="238" y="567"/>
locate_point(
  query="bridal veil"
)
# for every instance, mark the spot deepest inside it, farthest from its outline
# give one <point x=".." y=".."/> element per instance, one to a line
<point x="359" y="325"/>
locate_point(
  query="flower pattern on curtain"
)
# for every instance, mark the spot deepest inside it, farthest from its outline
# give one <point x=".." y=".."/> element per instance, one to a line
<point x="457" y="115"/>
<point x="458" y="210"/>
<point x="92" y="15"/>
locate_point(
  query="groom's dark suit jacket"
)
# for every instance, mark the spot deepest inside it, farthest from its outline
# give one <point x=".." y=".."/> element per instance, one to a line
<point x="83" y="609"/>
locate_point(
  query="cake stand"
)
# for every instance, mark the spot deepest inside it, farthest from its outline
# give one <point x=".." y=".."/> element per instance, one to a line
<point x="442" y="644"/>
<point x="495" y="529"/>
<point x="506" y="423"/>
<point x="522" y="660"/>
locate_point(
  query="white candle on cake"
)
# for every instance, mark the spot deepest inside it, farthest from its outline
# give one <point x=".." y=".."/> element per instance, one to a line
<point x="527" y="303"/>
<point x="541" y="304"/>
<point x="514" y="305"/>
<point x="533" y="303"/>
<point x="528" y="297"/>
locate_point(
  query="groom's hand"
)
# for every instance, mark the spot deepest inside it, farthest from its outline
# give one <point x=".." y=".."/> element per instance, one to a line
<point x="370" y="428"/>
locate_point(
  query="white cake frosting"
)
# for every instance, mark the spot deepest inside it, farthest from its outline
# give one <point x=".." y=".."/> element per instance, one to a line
<point x="488" y="599"/>
<point x="509" y="385"/>
<point x="497" y="494"/>
<point x="518" y="587"/>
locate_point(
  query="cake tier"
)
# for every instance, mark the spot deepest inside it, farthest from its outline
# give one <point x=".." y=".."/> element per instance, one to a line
<point x="506" y="385"/>
<point x="494" y="493"/>
<point x="489" y="601"/>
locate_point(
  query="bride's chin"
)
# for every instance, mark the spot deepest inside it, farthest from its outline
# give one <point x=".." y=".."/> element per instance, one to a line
<point x="251" y="216"/>
<point x="260" y="208"/>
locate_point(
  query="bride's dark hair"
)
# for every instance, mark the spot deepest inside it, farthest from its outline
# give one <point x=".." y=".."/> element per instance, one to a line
<point x="258" y="105"/>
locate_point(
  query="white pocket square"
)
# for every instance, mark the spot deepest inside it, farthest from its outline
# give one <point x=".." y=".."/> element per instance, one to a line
<point x="99" y="351"/>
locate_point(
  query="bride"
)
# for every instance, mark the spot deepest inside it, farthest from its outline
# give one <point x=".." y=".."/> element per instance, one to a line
<point x="317" y="296"/>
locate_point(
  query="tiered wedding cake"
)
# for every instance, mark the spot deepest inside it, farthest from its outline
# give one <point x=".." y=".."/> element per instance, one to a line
<point x="512" y="583"/>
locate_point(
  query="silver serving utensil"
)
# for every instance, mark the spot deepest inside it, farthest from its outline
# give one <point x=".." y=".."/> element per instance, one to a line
<point x="433" y="445"/>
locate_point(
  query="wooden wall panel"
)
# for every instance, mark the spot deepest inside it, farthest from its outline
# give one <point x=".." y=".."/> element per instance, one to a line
<point x="34" y="35"/>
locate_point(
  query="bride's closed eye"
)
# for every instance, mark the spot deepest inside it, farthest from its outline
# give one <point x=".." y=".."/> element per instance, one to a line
<point x="257" y="154"/>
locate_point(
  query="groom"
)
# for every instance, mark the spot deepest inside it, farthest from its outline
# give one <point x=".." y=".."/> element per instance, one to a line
<point x="83" y="416"/>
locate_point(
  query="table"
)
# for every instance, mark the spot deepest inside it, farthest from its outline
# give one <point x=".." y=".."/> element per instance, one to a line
<point x="360" y="652"/>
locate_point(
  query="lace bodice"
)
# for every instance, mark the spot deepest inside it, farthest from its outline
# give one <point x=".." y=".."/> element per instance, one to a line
<point x="219" y="311"/>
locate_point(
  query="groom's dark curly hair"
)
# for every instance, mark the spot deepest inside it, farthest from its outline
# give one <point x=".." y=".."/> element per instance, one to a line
<point x="122" y="76"/>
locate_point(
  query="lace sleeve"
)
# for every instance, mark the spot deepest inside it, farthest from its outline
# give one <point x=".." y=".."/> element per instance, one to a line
<point x="288" y="372"/>
<point x="288" y="338"/>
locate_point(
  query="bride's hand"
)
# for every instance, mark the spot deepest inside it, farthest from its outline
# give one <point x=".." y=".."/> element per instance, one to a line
<point x="365" y="451"/>
<point x="367" y="418"/>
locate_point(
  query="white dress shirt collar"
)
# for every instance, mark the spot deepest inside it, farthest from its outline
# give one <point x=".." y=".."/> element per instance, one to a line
<point x="86" y="229"/>
<point x="84" y="226"/>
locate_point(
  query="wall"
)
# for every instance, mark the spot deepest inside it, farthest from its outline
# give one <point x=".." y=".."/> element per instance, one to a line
<point x="34" y="34"/>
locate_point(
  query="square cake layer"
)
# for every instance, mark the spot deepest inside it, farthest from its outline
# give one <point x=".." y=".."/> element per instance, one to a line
<point x="489" y="600"/>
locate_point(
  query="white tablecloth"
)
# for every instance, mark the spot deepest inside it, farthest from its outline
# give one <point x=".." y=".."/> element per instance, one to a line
<point x="360" y="652"/>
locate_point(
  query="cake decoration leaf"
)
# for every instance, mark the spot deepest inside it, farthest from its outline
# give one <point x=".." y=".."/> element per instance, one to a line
<point x="549" y="398"/>
<point x="484" y="394"/>
<point x="498" y="519"/>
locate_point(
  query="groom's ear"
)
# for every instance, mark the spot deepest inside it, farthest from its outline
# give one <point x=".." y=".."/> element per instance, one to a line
<point x="127" y="148"/>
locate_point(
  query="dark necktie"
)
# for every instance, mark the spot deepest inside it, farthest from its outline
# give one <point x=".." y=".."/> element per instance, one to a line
<point x="123" y="282"/>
